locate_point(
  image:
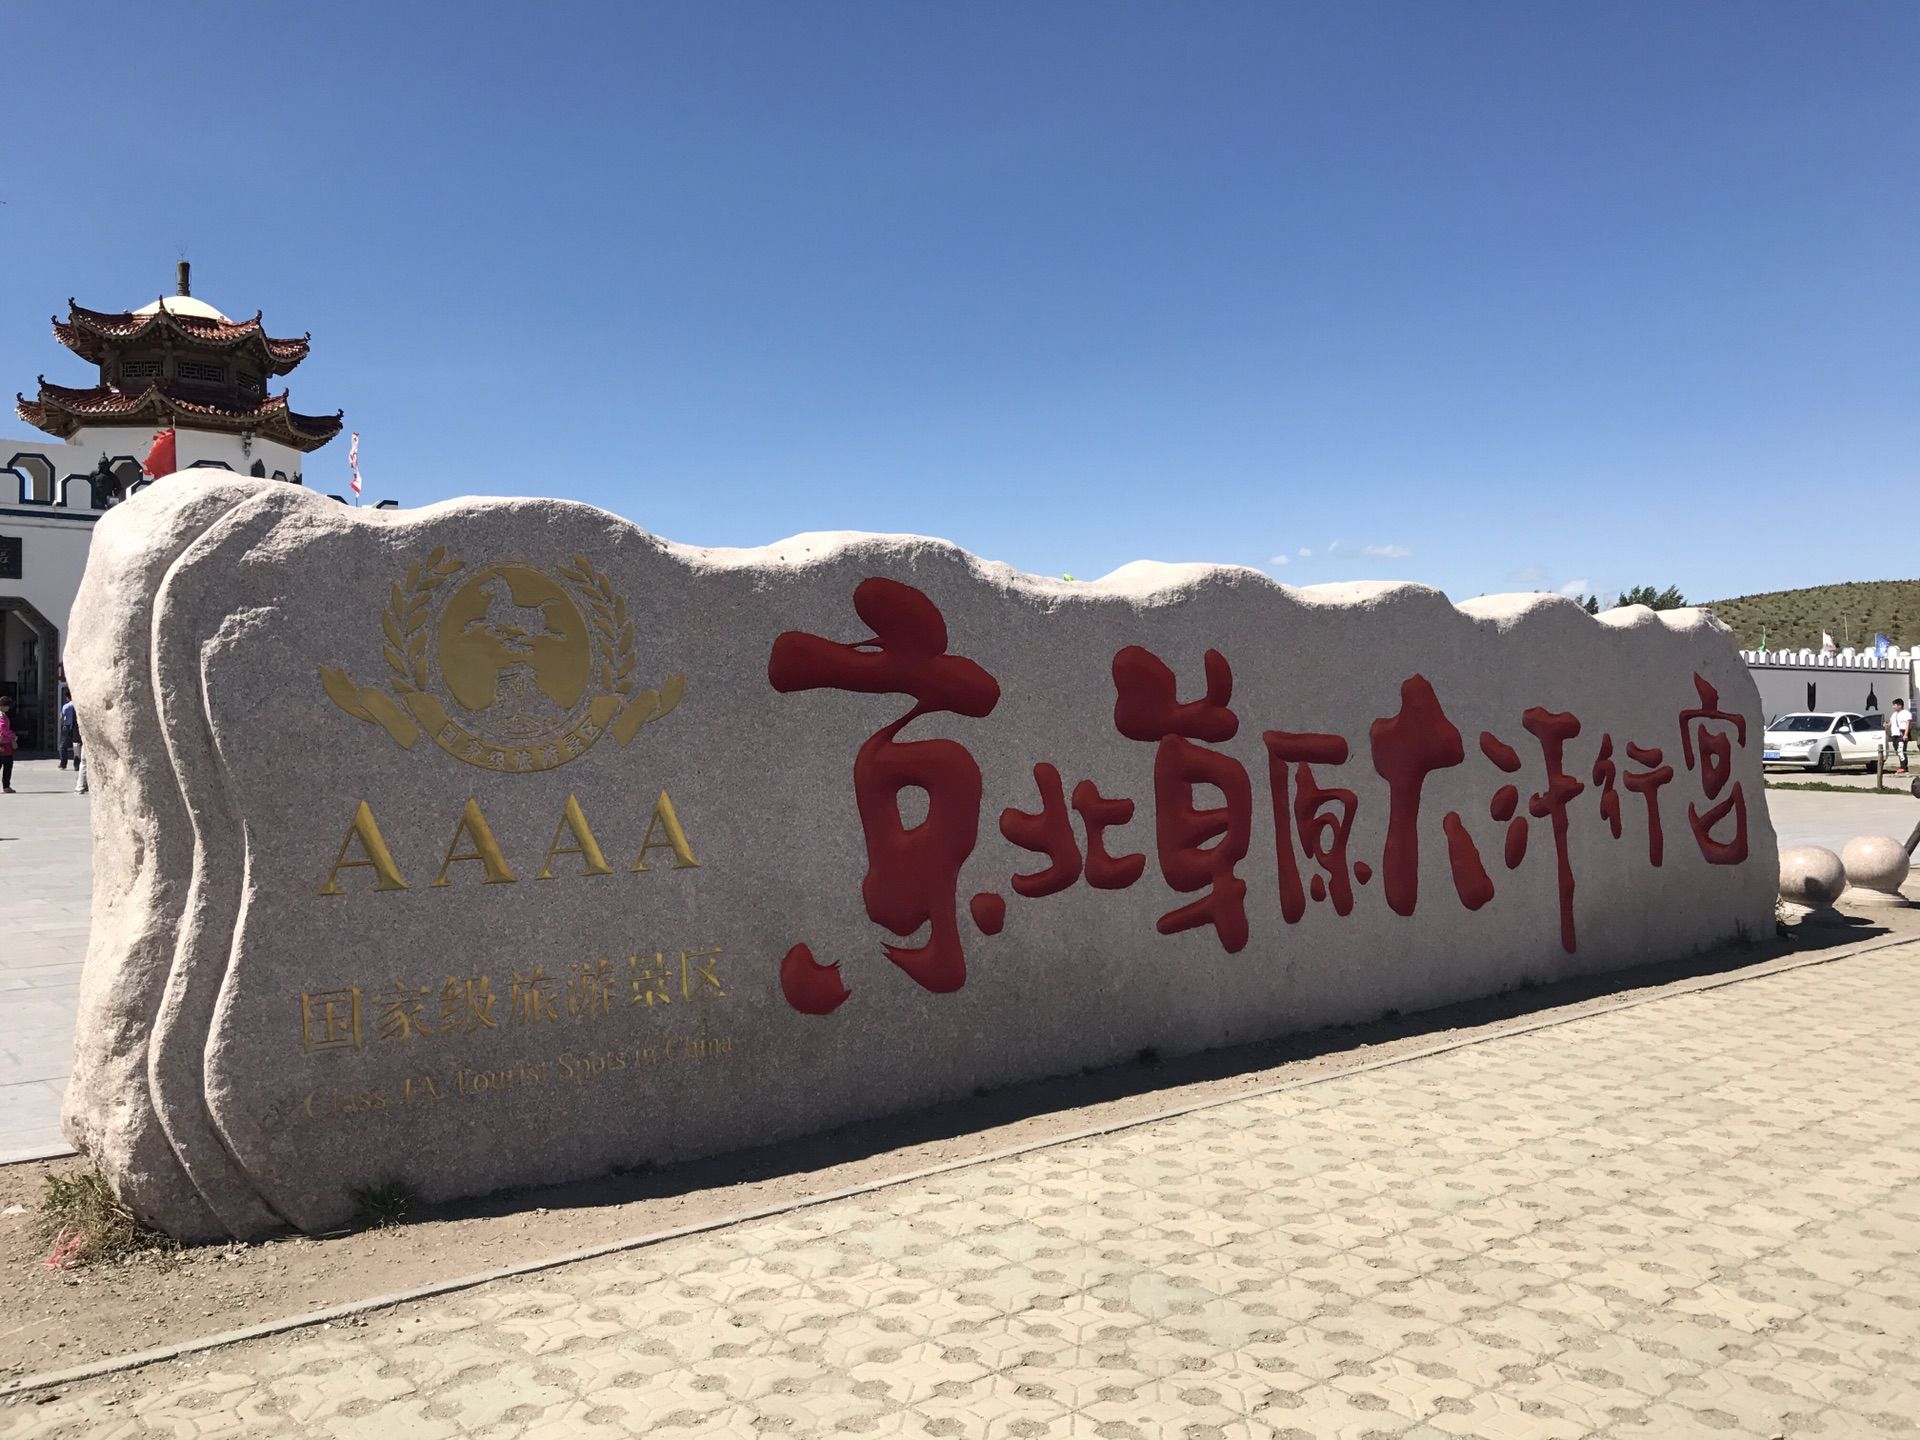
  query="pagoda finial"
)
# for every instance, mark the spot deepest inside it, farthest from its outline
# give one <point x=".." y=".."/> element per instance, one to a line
<point x="186" y="275"/>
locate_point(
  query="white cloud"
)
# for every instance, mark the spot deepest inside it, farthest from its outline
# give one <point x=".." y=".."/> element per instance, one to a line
<point x="1575" y="588"/>
<point x="1386" y="552"/>
<point x="1305" y="553"/>
<point x="1333" y="547"/>
<point x="1528" y="575"/>
<point x="1279" y="560"/>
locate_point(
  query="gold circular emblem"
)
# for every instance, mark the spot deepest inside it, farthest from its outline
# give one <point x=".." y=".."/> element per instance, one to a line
<point x="536" y="666"/>
<point x="514" y="654"/>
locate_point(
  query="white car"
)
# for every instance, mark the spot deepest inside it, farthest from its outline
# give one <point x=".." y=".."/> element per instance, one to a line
<point x="1823" y="741"/>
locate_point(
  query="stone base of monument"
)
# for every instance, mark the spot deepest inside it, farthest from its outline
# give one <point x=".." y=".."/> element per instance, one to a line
<point x="1876" y="868"/>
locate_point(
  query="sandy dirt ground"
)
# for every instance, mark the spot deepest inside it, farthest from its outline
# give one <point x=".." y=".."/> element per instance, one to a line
<point x="53" y="1319"/>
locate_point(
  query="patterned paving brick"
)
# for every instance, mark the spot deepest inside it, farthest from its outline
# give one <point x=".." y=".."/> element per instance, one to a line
<point x="1699" y="1217"/>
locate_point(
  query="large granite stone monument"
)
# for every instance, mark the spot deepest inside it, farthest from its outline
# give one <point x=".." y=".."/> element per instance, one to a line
<point x="501" y="842"/>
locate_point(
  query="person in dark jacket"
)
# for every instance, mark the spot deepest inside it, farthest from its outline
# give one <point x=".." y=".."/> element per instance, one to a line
<point x="69" y="732"/>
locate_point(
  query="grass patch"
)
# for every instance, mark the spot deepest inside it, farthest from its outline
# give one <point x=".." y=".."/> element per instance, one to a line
<point x="1832" y="789"/>
<point x="85" y="1224"/>
<point x="386" y="1204"/>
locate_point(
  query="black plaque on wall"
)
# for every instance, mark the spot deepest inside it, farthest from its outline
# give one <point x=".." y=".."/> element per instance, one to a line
<point x="9" y="557"/>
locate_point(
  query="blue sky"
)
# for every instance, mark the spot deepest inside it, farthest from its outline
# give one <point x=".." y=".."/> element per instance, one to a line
<point x="1515" y="296"/>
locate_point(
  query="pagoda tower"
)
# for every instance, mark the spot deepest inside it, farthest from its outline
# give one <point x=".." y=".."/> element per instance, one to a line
<point x="180" y="363"/>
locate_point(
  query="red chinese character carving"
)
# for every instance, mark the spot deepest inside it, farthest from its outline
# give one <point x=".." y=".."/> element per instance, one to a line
<point x="1553" y="729"/>
<point x="1323" y="817"/>
<point x="989" y="912"/>
<point x="1048" y="833"/>
<point x="1470" y="879"/>
<point x="1646" y="783"/>
<point x="913" y="874"/>
<point x="1604" y="771"/>
<point x="1099" y="814"/>
<point x="1716" y="768"/>
<point x="1145" y="708"/>
<point x="810" y="987"/>
<point x="1506" y="800"/>
<point x="1408" y="747"/>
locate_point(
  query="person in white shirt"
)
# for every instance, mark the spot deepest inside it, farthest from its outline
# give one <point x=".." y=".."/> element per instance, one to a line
<point x="1898" y="724"/>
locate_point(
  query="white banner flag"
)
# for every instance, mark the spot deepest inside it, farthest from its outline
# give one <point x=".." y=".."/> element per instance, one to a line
<point x="353" y="461"/>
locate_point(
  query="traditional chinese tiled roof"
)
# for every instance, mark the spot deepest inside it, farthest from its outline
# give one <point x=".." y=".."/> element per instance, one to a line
<point x="60" y="410"/>
<point x="88" y="332"/>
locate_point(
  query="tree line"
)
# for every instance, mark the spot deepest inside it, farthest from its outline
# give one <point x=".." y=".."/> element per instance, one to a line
<point x="1667" y="599"/>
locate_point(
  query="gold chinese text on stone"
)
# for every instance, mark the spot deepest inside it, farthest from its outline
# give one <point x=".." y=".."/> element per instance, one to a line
<point x="506" y="667"/>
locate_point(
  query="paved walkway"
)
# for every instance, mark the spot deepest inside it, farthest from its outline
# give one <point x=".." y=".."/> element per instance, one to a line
<point x="1699" y="1217"/>
<point x="1813" y="817"/>
<point x="46" y="880"/>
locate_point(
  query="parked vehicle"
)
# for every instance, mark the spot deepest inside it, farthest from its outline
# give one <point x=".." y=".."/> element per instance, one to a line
<point x="1824" y="740"/>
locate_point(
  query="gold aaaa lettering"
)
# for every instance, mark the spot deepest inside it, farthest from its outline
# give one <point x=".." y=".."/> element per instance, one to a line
<point x="364" y="848"/>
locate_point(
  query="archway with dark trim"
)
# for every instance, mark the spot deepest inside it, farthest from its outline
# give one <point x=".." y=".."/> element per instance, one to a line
<point x="33" y="686"/>
<point x="36" y="474"/>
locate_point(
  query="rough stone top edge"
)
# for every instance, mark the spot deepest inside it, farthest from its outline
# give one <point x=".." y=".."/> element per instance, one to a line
<point x="1142" y="582"/>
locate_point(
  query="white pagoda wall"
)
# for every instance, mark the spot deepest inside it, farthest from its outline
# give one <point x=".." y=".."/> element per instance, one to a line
<point x="55" y="530"/>
<point x="46" y="499"/>
<point x="193" y="447"/>
<point x="53" y="554"/>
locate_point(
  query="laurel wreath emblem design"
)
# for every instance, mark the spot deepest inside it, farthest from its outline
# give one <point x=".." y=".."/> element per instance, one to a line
<point x="409" y="708"/>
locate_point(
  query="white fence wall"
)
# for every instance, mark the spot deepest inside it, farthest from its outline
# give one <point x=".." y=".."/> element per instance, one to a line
<point x="1849" y="680"/>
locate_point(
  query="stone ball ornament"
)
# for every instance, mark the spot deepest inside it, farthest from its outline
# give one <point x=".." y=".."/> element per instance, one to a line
<point x="1811" y="875"/>
<point x="500" y="843"/>
<point x="1876" y="867"/>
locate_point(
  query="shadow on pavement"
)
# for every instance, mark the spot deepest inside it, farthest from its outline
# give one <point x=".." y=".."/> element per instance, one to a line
<point x="1316" y="1053"/>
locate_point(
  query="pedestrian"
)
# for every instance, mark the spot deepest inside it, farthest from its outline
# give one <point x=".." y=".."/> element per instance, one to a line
<point x="69" y="733"/>
<point x="80" y="756"/>
<point x="1898" y="724"/>
<point x="8" y="740"/>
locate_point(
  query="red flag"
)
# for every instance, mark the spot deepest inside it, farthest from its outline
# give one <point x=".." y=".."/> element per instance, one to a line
<point x="162" y="459"/>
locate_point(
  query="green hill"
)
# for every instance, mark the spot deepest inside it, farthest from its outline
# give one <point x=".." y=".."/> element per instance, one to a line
<point x="1851" y="613"/>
